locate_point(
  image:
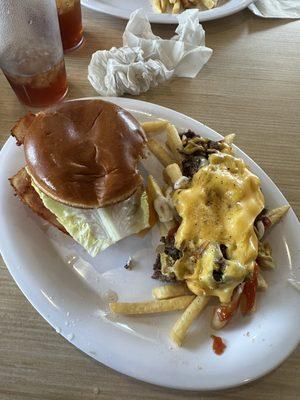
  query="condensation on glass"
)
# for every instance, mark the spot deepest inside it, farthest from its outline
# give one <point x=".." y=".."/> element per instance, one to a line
<point x="31" y="53"/>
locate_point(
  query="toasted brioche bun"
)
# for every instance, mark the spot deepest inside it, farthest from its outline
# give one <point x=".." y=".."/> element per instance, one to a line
<point x="84" y="153"/>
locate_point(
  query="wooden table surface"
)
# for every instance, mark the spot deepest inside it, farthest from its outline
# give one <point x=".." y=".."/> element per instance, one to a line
<point x="250" y="86"/>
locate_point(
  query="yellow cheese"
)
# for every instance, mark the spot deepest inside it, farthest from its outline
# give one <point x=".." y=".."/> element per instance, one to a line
<point x="219" y="207"/>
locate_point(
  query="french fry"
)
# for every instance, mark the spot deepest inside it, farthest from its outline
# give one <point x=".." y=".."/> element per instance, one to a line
<point x="154" y="127"/>
<point x="160" y="203"/>
<point x="153" y="188"/>
<point x="151" y="307"/>
<point x="210" y="3"/>
<point x="172" y="173"/>
<point x="169" y="291"/>
<point x="276" y="215"/>
<point x="160" y="152"/>
<point x="264" y="258"/>
<point x="181" y="326"/>
<point x="173" y="140"/>
<point x="261" y="283"/>
<point x="176" y="7"/>
<point x="153" y="218"/>
<point x="164" y="5"/>
<point x="164" y="209"/>
<point x="157" y="6"/>
<point x="229" y="139"/>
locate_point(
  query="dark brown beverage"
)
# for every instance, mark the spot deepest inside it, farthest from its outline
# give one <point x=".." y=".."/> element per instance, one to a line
<point x="70" y="23"/>
<point x="41" y="89"/>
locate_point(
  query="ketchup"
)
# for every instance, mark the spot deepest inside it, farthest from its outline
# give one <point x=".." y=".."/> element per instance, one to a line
<point x="249" y="292"/>
<point x="226" y="312"/>
<point x="218" y="345"/>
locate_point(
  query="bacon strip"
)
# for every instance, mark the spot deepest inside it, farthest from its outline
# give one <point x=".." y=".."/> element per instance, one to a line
<point x="20" y="129"/>
<point x="21" y="182"/>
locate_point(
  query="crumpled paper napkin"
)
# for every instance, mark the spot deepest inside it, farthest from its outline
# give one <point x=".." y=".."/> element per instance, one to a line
<point x="146" y="60"/>
<point x="276" y="8"/>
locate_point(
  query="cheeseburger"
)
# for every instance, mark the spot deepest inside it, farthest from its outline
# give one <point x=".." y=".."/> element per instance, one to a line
<point x="81" y="171"/>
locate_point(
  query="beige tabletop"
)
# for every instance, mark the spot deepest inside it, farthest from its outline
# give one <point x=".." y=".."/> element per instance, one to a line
<point x="250" y="86"/>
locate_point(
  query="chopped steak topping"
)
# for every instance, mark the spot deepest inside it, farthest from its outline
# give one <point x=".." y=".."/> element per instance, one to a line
<point x="170" y="248"/>
<point x="157" y="274"/>
<point x="196" y="151"/>
<point x="188" y="134"/>
<point x="214" y="145"/>
<point x="217" y="274"/>
<point x="191" y="164"/>
<point x="223" y="249"/>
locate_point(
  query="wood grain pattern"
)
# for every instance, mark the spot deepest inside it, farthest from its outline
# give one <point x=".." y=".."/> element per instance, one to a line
<point x="250" y="86"/>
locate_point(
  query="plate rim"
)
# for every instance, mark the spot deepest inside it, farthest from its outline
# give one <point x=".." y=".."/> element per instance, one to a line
<point x="130" y="105"/>
<point x="207" y="15"/>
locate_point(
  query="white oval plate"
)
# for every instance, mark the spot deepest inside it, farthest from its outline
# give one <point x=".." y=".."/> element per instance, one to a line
<point x="72" y="295"/>
<point x="123" y="9"/>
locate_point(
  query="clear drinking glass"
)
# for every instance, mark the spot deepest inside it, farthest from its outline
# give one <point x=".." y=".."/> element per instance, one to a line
<point x="31" y="53"/>
<point x="70" y="23"/>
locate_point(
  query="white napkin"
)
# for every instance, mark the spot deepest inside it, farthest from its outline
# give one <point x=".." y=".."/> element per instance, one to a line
<point x="276" y="8"/>
<point x="146" y="60"/>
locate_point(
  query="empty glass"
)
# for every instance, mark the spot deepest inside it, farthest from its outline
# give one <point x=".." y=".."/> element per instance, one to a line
<point x="31" y="53"/>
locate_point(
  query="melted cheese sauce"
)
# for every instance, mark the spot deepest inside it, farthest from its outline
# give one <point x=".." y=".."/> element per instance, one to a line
<point x="219" y="207"/>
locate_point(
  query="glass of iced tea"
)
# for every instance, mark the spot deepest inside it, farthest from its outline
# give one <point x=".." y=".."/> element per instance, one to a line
<point x="31" y="53"/>
<point x="70" y="23"/>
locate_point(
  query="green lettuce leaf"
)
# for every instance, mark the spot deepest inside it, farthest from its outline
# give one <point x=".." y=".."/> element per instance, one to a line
<point x="96" y="229"/>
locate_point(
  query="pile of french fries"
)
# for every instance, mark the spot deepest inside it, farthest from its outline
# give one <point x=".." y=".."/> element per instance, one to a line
<point x="163" y="6"/>
<point x="168" y="298"/>
<point x="177" y="296"/>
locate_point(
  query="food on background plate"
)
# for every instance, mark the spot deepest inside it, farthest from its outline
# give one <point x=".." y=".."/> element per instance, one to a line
<point x="176" y="6"/>
<point x="213" y="220"/>
<point x="81" y="171"/>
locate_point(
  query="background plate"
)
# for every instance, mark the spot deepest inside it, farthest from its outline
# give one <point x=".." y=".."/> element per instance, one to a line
<point x="70" y="290"/>
<point x="123" y="9"/>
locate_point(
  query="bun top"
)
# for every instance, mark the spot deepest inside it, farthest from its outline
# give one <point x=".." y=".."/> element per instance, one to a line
<point x="84" y="153"/>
